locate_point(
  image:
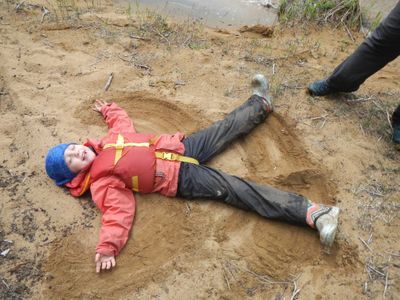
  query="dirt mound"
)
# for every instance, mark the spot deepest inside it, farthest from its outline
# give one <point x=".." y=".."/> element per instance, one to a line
<point x="148" y="112"/>
<point x="170" y="235"/>
<point x="265" y="31"/>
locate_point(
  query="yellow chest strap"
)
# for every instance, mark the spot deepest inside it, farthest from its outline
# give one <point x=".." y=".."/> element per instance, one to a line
<point x="120" y="145"/>
<point x="176" y="157"/>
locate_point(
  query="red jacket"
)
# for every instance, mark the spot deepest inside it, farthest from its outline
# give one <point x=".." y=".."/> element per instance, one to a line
<point x="112" y="177"/>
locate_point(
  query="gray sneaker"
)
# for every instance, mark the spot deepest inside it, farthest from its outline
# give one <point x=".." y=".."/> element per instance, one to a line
<point x="260" y="87"/>
<point x="327" y="226"/>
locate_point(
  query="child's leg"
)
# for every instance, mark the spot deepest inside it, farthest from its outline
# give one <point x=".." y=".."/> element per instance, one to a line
<point x="197" y="181"/>
<point x="206" y="143"/>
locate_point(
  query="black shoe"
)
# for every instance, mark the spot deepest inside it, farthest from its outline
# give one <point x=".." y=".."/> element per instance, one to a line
<point x="396" y="127"/>
<point x="396" y="135"/>
<point x="320" y="88"/>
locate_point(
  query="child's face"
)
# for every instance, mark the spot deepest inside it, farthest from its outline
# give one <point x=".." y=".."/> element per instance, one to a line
<point x="77" y="157"/>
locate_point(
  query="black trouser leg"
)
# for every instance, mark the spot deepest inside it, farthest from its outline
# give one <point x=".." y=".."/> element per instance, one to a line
<point x="396" y="116"/>
<point x="203" y="145"/>
<point x="198" y="181"/>
<point x="373" y="54"/>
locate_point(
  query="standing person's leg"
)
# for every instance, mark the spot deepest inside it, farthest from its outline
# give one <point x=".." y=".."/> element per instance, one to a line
<point x="197" y="181"/>
<point x="203" y="145"/>
<point x="396" y="115"/>
<point x="396" y="126"/>
<point x="373" y="54"/>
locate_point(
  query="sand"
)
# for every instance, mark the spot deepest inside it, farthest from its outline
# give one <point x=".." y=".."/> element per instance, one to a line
<point x="335" y="150"/>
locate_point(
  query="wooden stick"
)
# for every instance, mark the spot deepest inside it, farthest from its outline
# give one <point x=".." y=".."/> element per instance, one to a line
<point x="376" y="271"/>
<point x="295" y="291"/>
<point x="366" y="245"/>
<point x="393" y="254"/>
<point x="19" y="5"/>
<point x="369" y="239"/>
<point x="323" y="123"/>
<point x="110" y="78"/>
<point x="5" y="283"/>
<point x="348" y="32"/>
<point x="365" y="288"/>
<point x="368" y="272"/>
<point x="362" y="99"/>
<point x="386" y="284"/>
<point x="319" y="118"/>
<point x="159" y="33"/>
<point x="179" y="83"/>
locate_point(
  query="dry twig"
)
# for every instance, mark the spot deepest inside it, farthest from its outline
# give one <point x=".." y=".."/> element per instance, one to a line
<point x="386" y="284"/>
<point x="19" y="5"/>
<point x="348" y="32"/>
<point x="296" y="291"/>
<point x="362" y="99"/>
<point x="110" y="78"/>
<point x="179" y="83"/>
<point x="365" y="244"/>
<point x="5" y="283"/>
<point x="393" y="254"/>
<point x="376" y="271"/>
<point x="161" y="35"/>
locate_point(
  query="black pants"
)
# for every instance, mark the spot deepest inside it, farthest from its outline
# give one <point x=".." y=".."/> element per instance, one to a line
<point x="373" y="54"/>
<point x="200" y="181"/>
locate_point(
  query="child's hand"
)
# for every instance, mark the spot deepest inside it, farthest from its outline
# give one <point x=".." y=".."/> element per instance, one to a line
<point x="104" y="262"/>
<point x="98" y="105"/>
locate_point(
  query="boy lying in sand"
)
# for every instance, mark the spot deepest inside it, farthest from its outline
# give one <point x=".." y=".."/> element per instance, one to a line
<point x="126" y="161"/>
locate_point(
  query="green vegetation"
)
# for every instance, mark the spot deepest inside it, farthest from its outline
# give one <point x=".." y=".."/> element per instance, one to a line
<point x="151" y="24"/>
<point x="336" y="12"/>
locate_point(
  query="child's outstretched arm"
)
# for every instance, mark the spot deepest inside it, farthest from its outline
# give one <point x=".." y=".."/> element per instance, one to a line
<point x="117" y="203"/>
<point x="116" y="118"/>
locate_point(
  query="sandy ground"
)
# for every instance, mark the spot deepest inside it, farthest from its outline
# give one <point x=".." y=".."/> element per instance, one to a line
<point x="183" y="77"/>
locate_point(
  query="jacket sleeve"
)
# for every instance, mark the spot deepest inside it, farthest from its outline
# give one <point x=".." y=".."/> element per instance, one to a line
<point x="116" y="118"/>
<point x="117" y="203"/>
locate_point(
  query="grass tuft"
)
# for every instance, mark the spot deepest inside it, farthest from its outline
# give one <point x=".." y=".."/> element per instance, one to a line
<point x="336" y="12"/>
<point x="151" y="24"/>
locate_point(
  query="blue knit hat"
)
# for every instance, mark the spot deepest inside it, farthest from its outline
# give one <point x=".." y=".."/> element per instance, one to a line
<point x="56" y="167"/>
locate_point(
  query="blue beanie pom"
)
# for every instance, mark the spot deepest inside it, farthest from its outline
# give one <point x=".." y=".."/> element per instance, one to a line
<point x="56" y="167"/>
